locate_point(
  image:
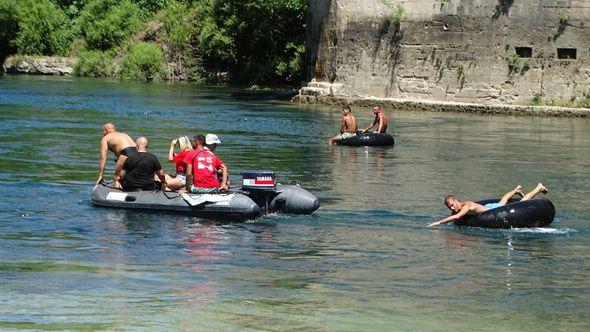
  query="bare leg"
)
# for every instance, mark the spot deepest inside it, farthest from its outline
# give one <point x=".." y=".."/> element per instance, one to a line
<point x="508" y="195"/>
<point x="335" y="138"/>
<point x="539" y="189"/>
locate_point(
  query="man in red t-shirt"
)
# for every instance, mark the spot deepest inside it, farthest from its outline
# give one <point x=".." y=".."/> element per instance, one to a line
<point x="201" y="170"/>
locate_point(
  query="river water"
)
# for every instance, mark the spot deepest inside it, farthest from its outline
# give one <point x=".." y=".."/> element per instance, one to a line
<point x="363" y="261"/>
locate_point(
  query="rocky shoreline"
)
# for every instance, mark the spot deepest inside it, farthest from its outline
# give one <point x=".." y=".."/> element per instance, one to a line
<point x="38" y="65"/>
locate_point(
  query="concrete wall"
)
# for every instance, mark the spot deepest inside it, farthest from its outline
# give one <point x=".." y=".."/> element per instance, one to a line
<point x="452" y="50"/>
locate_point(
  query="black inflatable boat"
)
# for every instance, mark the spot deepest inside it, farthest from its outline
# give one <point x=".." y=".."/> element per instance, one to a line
<point x="538" y="212"/>
<point x="368" y="139"/>
<point x="257" y="196"/>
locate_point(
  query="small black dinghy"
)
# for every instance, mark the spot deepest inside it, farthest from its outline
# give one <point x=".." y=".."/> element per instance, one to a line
<point x="258" y="195"/>
<point x="368" y="139"/>
<point x="538" y="212"/>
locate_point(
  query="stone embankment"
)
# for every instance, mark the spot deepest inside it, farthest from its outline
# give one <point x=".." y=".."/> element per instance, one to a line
<point x="322" y="97"/>
<point x="35" y="65"/>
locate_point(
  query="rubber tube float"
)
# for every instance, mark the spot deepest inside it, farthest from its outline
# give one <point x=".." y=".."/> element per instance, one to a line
<point x="538" y="212"/>
<point x="368" y="139"/>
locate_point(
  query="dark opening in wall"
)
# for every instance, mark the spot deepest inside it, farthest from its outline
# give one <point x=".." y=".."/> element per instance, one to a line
<point x="566" y="53"/>
<point x="524" y="52"/>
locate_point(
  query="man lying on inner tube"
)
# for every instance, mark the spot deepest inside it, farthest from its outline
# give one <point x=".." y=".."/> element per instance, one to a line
<point x="461" y="209"/>
<point x="380" y="121"/>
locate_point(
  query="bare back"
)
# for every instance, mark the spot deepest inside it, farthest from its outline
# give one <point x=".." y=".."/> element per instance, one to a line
<point x="118" y="141"/>
<point x="349" y="124"/>
<point x="381" y="121"/>
<point x="474" y="208"/>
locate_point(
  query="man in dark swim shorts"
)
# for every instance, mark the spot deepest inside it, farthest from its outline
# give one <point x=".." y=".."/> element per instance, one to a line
<point x="117" y="142"/>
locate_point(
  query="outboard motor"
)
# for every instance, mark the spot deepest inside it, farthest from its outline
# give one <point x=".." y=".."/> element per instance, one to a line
<point x="261" y="186"/>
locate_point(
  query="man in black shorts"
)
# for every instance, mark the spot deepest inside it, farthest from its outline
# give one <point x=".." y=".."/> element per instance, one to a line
<point x="139" y="168"/>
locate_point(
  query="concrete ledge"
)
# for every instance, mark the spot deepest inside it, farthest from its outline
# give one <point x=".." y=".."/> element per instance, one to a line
<point x="442" y="106"/>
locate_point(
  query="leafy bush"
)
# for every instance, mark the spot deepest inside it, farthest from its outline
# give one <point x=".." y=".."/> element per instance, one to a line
<point x="526" y="65"/>
<point x="42" y="28"/>
<point x="512" y="62"/>
<point x="105" y="24"/>
<point x="94" y="64"/>
<point x="152" y="6"/>
<point x="256" y="40"/>
<point x="9" y="24"/>
<point x="143" y="61"/>
<point x="537" y="99"/>
<point x="398" y="14"/>
<point x="182" y="23"/>
<point x="585" y="102"/>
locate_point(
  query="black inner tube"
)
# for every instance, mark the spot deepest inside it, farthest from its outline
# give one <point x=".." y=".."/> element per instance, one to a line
<point x="538" y="212"/>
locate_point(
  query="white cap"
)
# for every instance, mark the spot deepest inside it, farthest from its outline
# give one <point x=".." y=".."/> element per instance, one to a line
<point x="212" y="139"/>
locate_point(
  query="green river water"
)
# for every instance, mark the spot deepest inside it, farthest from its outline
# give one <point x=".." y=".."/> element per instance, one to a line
<point x="363" y="262"/>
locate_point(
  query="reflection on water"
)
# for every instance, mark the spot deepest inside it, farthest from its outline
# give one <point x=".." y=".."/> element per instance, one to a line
<point x="364" y="261"/>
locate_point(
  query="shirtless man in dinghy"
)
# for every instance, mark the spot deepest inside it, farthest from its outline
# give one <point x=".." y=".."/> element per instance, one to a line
<point x="121" y="144"/>
<point x="380" y="121"/>
<point x="347" y="126"/>
<point x="461" y="209"/>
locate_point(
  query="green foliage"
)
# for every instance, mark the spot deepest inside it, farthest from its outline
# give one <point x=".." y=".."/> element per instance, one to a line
<point x="564" y="16"/>
<point x="460" y="70"/>
<point x="143" y="61"/>
<point x="9" y="24"/>
<point x="512" y="62"/>
<point x="152" y="6"/>
<point x="216" y="42"/>
<point x="256" y="40"/>
<point x="42" y="28"/>
<point x="585" y="102"/>
<point x="398" y="14"/>
<point x="526" y="65"/>
<point x="440" y="64"/>
<point x="182" y="23"/>
<point x="94" y="64"/>
<point x="537" y="99"/>
<point x="253" y="41"/>
<point x="105" y="24"/>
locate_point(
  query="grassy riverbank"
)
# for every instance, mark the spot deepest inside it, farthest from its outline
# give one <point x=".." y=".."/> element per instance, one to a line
<point x="249" y="41"/>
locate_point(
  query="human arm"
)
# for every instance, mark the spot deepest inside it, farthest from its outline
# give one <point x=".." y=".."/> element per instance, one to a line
<point x="189" y="176"/>
<point x="454" y="217"/>
<point x="162" y="178"/>
<point x="103" y="160"/>
<point x="171" y="150"/>
<point x="371" y="126"/>
<point x="223" y="186"/>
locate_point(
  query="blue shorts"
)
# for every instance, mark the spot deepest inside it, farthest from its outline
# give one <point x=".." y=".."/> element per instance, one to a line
<point x="490" y="206"/>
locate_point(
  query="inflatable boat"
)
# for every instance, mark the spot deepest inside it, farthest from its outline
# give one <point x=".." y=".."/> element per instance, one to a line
<point x="538" y="212"/>
<point x="258" y="195"/>
<point x="368" y="139"/>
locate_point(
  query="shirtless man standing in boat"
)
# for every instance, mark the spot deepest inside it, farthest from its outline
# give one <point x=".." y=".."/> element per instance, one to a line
<point x="121" y="144"/>
<point x="380" y="121"/>
<point x="461" y="209"/>
<point x="347" y="126"/>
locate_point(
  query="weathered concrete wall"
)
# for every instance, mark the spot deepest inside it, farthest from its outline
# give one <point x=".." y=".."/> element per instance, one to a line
<point x="448" y="50"/>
